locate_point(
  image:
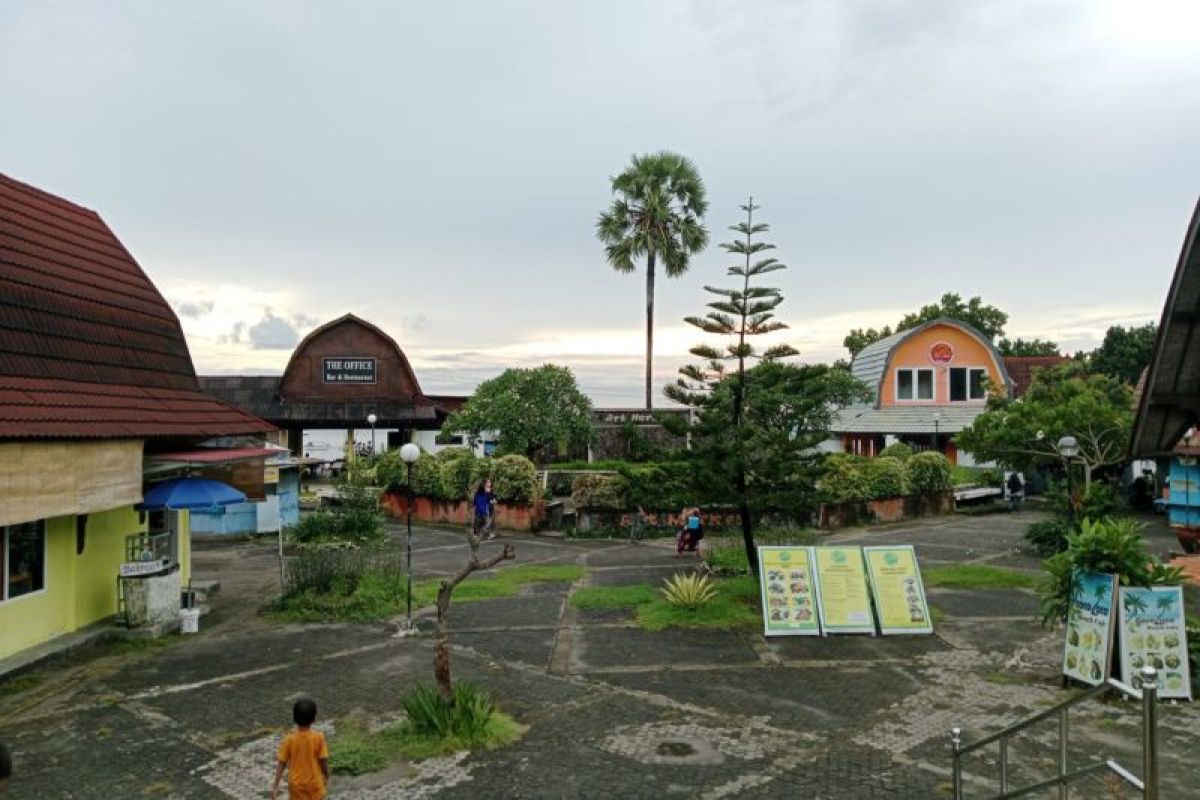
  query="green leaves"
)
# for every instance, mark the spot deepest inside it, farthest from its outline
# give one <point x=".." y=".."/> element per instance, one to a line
<point x="986" y="319"/>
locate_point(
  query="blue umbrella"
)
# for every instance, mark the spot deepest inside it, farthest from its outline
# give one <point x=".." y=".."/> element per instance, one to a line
<point x="190" y="493"/>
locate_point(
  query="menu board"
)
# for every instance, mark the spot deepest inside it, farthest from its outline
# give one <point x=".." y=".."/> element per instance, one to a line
<point x="1153" y="634"/>
<point x="897" y="589"/>
<point x="1088" y="654"/>
<point x="842" y="597"/>
<point x="788" y="591"/>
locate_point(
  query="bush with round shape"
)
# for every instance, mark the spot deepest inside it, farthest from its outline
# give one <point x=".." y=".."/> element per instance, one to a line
<point x="897" y="450"/>
<point x="844" y="479"/>
<point x="514" y="478"/>
<point x="929" y="473"/>
<point x="886" y="477"/>
<point x="600" y="492"/>
<point x="457" y="467"/>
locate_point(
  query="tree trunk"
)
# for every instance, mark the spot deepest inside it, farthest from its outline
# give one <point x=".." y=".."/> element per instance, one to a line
<point x="441" y="646"/>
<point x="649" y="328"/>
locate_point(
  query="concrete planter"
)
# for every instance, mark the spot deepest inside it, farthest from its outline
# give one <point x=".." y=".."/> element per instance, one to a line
<point x="833" y="516"/>
<point x="152" y="600"/>
<point x="426" y="509"/>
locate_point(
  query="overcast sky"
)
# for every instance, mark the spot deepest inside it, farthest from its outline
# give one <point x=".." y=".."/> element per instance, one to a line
<point x="437" y="167"/>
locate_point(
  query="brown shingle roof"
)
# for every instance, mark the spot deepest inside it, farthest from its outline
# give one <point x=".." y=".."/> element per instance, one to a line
<point x="1021" y="369"/>
<point x="88" y="346"/>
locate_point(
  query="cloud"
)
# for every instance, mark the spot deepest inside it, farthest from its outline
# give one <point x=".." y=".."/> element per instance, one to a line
<point x="415" y="323"/>
<point x="194" y="310"/>
<point x="302" y="320"/>
<point x="273" y="333"/>
<point x="234" y="336"/>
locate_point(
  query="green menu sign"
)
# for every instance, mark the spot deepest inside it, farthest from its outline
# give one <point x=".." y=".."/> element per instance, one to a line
<point x="788" y="591"/>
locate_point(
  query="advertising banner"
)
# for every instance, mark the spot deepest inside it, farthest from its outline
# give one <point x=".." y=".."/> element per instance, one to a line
<point x="1090" y="620"/>
<point x="896" y="587"/>
<point x="789" y="591"/>
<point x="842" y="597"/>
<point x="1153" y="634"/>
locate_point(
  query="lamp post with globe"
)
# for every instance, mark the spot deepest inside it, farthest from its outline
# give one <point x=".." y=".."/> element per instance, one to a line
<point x="1068" y="448"/>
<point x="371" y="419"/>
<point x="409" y="454"/>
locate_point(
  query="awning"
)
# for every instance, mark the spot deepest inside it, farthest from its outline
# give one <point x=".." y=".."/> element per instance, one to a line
<point x="190" y="493"/>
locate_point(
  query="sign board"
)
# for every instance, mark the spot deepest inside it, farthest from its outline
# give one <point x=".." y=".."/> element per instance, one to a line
<point x="941" y="353"/>
<point x="789" y="595"/>
<point x="1087" y="656"/>
<point x="134" y="569"/>
<point x="843" y="601"/>
<point x="270" y="474"/>
<point x="348" y="369"/>
<point x="1153" y="634"/>
<point x="897" y="589"/>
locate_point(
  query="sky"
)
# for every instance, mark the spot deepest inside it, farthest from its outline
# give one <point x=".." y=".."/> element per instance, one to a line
<point x="437" y="168"/>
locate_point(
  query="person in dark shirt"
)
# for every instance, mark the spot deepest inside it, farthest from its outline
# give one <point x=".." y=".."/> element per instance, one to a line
<point x="1016" y="491"/>
<point x="483" y="523"/>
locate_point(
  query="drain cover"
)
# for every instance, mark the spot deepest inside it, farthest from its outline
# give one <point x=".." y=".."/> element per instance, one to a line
<point x="676" y="749"/>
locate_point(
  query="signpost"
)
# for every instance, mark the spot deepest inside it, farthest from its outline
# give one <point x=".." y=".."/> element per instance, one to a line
<point x="897" y="589"/>
<point x="1153" y="635"/>
<point x="788" y="588"/>
<point x="348" y="369"/>
<point x="843" y="601"/>
<point x="134" y="569"/>
<point x="1087" y="656"/>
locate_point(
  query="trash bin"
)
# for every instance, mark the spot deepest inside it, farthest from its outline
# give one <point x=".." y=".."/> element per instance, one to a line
<point x="189" y="620"/>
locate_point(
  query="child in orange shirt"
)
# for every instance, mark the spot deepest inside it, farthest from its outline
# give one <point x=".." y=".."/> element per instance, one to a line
<point x="305" y="755"/>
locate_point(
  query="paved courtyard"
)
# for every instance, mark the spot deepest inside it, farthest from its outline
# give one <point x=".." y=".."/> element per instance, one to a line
<point x="613" y="711"/>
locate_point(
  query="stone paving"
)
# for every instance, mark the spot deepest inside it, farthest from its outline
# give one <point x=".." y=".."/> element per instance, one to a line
<point x="613" y="711"/>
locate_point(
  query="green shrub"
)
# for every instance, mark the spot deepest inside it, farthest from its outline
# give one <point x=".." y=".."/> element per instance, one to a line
<point x="392" y="473"/>
<point x="886" y="477"/>
<point x="466" y="719"/>
<point x="319" y="526"/>
<point x="514" y="478"/>
<point x="1048" y="536"/>
<point x="898" y="450"/>
<point x="1098" y="501"/>
<point x="1112" y="546"/>
<point x="600" y="491"/>
<point x="689" y="590"/>
<point x="661" y="486"/>
<point x="928" y="473"/>
<point x="844" y="480"/>
<point x="991" y="477"/>
<point x="457" y="468"/>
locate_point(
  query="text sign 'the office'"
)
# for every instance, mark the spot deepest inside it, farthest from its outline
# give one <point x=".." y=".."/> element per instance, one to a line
<point x="348" y="369"/>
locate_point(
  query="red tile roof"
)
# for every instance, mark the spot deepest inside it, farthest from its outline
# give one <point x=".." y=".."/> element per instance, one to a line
<point x="1021" y="369"/>
<point x="88" y="346"/>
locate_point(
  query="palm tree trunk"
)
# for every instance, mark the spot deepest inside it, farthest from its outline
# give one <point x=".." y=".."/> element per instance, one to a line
<point x="649" y="326"/>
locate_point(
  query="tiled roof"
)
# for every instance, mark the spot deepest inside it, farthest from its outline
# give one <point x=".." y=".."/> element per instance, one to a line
<point x="904" y="419"/>
<point x="1021" y="369"/>
<point x="88" y="346"/>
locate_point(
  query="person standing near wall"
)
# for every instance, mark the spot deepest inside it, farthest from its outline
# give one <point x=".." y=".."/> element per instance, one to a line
<point x="483" y="511"/>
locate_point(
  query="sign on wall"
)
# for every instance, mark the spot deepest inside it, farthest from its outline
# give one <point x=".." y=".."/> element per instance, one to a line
<point x="1087" y="656"/>
<point x="941" y="353"/>
<point x="897" y="590"/>
<point x="789" y="593"/>
<point x="843" y="602"/>
<point x="348" y="369"/>
<point x="1153" y="635"/>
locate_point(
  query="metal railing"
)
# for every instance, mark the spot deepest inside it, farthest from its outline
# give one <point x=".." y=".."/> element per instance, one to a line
<point x="1147" y="784"/>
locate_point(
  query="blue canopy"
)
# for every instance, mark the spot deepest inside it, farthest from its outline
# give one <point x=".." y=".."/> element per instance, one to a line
<point x="190" y="493"/>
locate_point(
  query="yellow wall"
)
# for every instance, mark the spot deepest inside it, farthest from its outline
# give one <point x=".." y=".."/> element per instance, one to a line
<point x="914" y="352"/>
<point x="80" y="588"/>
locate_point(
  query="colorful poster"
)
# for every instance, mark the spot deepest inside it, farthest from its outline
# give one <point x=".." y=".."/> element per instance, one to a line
<point x="896" y="587"/>
<point x="1090" y="619"/>
<point x="1153" y="634"/>
<point x="788" y="591"/>
<point x="842" y="597"/>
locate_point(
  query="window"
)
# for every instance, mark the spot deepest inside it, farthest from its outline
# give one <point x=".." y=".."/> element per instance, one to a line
<point x="968" y="383"/>
<point x="22" y="559"/>
<point x="914" y="384"/>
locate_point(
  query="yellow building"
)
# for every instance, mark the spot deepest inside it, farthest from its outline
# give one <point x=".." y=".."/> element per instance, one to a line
<point x="95" y="376"/>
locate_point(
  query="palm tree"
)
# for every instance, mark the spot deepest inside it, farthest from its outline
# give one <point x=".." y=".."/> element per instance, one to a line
<point x="657" y="214"/>
<point x="1164" y="604"/>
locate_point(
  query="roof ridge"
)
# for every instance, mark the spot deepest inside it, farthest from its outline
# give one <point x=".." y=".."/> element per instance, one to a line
<point x="42" y="194"/>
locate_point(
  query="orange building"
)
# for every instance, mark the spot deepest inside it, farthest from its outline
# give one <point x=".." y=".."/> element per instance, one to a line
<point x="929" y="383"/>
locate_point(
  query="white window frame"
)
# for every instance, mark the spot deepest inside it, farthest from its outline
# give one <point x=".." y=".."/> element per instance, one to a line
<point x="4" y="598"/>
<point x="968" y="399"/>
<point x="915" y="384"/>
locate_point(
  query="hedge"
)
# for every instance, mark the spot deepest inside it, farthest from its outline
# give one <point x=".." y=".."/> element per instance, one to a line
<point x="849" y="478"/>
<point x="453" y="474"/>
<point x="929" y="473"/>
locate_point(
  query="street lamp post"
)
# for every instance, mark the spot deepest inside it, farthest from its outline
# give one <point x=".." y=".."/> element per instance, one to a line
<point x="1067" y="448"/>
<point x="371" y="418"/>
<point x="409" y="454"/>
<point x="937" y="421"/>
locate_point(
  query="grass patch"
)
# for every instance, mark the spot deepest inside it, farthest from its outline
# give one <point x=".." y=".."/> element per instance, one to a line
<point x="505" y="583"/>
<point x="733" y="607"/>
<point x="20" y="683"/>
<point x="726" y="555"/>
<point x="977" y="576"/>
<point x="590" y="598"/>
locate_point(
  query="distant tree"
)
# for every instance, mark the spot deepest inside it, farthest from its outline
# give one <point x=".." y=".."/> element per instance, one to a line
<point x="1124" y="353"/>
<point x="754" y="427"/>
<point x="530" y="409"/>
<point x="986" y="319"/>
<point x="657" y="214"/>
<point x="1065" y="400"/>
<point x="1032" y="347"/>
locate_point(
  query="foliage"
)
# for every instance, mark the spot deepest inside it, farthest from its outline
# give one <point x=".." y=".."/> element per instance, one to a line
<point x="1192" y="630"/>
<point x="657" y="213"/>
<point x="532" y="409"/>
<point x="1049" y="536"/>
<point x="886" y="477"/>
<point x="897" y="450"/>
<point x="977" y="576"/>
<point x="663" y="486"/>
<point x="844" y="479"/>
<point x="355" y="519"/>
<point x="735" y="606"/>
<point x="343" y="585"/>
<point x="1098" y="501"/>
<point x="1124" y="353"/>
<point x="456" y="468"/>
<point x="466" y="717"/>
<point x="725" y="556"/>
<point x="638" y="446"/>
<point x="689" y="590"/>
<point x="600" y="491"/>
<point x="986" y="319"/>
<point x="392" y="472"/>
<point x="514" y="478"/>
<point x="1032" y="347"/>
<point x="593" y="598"/>
<point x="1095" y="409"/>
<point x="928" y="473"/>
<point x="503" y="583"/>
<point x="1112" y="546"/>
<point x="453" y="474"/>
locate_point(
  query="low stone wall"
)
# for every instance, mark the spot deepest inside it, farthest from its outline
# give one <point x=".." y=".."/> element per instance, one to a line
<point x="892" y="509"/>
<point x="425" y="509"/>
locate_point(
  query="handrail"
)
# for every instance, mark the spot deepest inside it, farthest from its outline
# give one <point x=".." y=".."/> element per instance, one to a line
<point x="1147" y="784"/>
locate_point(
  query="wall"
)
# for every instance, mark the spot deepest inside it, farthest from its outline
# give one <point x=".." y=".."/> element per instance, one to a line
<point x="914" y="352"/>
<point x="513" y="518"/>
<point x="833" y="516"/>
